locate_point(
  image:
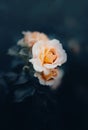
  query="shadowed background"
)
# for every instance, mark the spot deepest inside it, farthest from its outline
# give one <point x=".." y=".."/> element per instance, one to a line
<point x="66" y="20"/>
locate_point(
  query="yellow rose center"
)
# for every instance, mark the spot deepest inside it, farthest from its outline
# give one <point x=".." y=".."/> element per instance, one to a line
<point x="50" y="56"/>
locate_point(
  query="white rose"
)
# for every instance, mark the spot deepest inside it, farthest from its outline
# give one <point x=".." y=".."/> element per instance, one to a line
<point x="47" y="55"/>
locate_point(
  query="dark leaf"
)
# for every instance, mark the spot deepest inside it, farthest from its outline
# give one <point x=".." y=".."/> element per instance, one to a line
<point x="17" y="65"/>
<point x="3" y="89"/>
<point x="22" y="79"/>
<point x="10" y="77"/>
<point x="23" y="92"/>
<point x="14" y="50"/>
<point x="24" y="52"/>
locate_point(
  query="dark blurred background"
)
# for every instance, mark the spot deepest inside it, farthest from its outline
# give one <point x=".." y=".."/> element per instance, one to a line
<point x="66" y="20"/>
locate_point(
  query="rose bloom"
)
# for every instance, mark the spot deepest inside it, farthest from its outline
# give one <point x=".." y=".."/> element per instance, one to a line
<point x="30" y="38"/>
<point x="47" y="55"/>
<point x="53" y="78"/>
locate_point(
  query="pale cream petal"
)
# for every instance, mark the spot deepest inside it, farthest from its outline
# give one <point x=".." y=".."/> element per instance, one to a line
<point x="36" y="64"/>
<point x="50" y="66"/>
<point x="57" y="80"/>
<point x="41" y="80"/>
<point x="62" y="59"/>
<point x="62" y="56"/>
<point x="54" y="43"/>
<point x="37" y="49"/>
